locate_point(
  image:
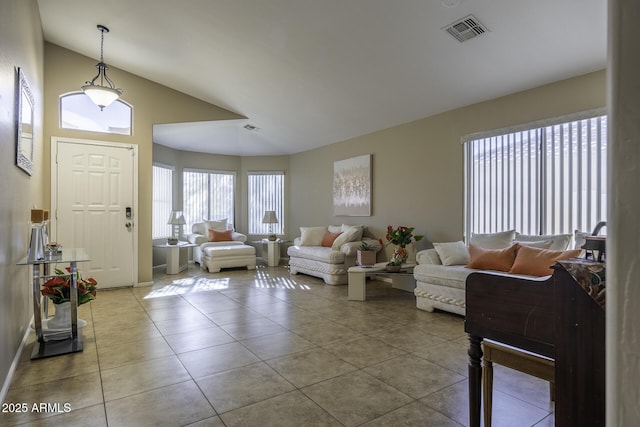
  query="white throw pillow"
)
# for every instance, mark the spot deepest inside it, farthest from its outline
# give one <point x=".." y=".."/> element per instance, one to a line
<point x="360" y="229"/>
<point x="580" y="238"/>
<point x="560" y="241"/>
<point x="452" y="253"/>
<point x="500" y="240"/>
<point x="219" y="224"/>
<point x="311" y="236"/>
<point x="540" y="244"/>
<point x="350" y="234"/>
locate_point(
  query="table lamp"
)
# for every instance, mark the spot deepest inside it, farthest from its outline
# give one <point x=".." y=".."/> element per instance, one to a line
<point x="270" y="218"/>
<point x="176" y="220"/>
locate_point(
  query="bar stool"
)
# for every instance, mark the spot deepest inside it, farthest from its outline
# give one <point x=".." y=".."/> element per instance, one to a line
<point x="514" y="358"/>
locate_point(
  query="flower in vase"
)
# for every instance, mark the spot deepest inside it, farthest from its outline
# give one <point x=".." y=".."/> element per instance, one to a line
<point x="401" y="237"/>
<point x="58" y="288"/>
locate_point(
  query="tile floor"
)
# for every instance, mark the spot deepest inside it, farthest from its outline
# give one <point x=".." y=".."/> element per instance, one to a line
<point x="264" y="348"/>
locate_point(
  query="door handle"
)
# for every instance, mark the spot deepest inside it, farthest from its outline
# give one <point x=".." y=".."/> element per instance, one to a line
<point x="129" y="225"/>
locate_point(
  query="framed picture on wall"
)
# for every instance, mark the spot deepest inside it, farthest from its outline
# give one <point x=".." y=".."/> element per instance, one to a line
<point x="24" y="116"/>
<point x="352" y="186"/>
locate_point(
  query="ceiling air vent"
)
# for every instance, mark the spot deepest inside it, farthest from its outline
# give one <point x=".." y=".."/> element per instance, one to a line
<point x="466" y="28"/>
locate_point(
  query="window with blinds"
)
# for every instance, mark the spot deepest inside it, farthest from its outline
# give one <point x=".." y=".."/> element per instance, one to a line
<point x="208" y="195"/>
<point x="162" y="201"/>
<point x="265" y="193"/>
<point x="548" y="179"/>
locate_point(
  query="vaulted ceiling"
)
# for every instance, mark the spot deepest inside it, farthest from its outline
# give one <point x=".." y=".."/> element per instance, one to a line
<point x="308" y="73"/>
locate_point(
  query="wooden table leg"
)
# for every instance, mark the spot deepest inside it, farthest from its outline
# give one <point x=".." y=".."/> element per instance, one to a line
<point x="487" y="387"/>
<point x="475" y="380"/>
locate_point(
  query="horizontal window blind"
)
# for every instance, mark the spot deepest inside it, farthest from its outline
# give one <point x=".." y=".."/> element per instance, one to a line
<point x="546" y="180"/>
<point x="265" y="193"/>
<point x="162" y="201"/>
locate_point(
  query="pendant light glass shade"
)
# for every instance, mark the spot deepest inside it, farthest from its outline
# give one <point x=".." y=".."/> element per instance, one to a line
<point x="100" y="95"/>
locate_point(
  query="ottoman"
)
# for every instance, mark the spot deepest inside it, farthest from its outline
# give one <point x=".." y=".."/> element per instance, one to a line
<point x="237" y="255"/>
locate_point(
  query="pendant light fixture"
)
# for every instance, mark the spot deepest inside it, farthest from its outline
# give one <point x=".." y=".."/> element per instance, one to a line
<point x="104" y="92"/>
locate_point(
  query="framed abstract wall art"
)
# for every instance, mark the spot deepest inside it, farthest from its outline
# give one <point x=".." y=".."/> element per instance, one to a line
<point x="352" y="186"/>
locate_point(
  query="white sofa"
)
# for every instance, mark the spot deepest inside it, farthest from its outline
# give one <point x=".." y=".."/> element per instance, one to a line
<point x="213" y="256"/>
<point x="441" y="284"/>
<point x="329" y="263"/>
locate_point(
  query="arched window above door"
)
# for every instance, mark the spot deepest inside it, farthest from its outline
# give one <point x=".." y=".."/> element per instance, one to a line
<point x="78" y="112"/>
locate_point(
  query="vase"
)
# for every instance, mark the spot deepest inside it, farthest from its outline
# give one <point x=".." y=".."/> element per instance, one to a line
<point x="399" y="255"/>
<point x="62" y="317"/>
<point x="394" y="268"/>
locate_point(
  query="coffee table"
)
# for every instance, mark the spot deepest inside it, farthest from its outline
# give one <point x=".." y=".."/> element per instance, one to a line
<point x="357" y="279"/>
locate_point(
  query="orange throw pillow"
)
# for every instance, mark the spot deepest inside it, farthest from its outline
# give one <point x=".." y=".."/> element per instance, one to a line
<point x="537" y="262"/>
<point x="329" y="238"/>
<point x="492" y="259"/>
<point x="220" y="236"/>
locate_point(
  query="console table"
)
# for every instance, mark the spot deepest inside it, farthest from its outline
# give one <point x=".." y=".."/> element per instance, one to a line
<point x="561" y="317"/>
<point x="45" y="345"/>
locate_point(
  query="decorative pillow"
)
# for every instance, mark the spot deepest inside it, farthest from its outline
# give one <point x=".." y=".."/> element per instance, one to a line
<point x="360" y="229"/>
<point x="220" y="235"/>
<point x="492" y="259"/>
<point x="335" y="228"/>
<point x="329" y="238"/>
<point x="452" y="253"/>
<point x="580" y="238"/>
<point x="538" y="262"/>
<point x="542" y="244"/>
<point x="560" y="241"/>
<point x="349" y="235"/>
<point x="311" y="236"/>
<point x="219" y="224"/>
<point x="500" y="240"/>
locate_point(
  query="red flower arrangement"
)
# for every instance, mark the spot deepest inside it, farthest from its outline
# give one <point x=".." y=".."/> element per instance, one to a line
<point x="58" y="288"/>
<point x="400" y="237"/>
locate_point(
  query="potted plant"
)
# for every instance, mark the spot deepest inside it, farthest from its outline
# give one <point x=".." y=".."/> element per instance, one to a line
<point x="366" y="255"/>
<point x="58" y="290"/>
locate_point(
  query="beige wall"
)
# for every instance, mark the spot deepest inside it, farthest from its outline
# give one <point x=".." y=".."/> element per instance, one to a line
<point x="20" y="46"/>
<point x="152" y="103"/>
<point x="418" y="166"/>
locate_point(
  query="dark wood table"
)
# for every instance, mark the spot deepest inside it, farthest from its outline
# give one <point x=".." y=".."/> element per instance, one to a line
<point x="522" y="313"/>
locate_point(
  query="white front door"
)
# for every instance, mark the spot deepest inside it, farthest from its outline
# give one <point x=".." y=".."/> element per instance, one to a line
<point x="93" y="205"/>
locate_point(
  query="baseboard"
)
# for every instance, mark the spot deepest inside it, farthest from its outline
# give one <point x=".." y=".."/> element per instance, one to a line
<point x="14" y="364"/>
<point x="141" y="284"/>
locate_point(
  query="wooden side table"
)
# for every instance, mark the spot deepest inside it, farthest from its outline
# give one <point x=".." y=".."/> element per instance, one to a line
<point x="177" y="256"/>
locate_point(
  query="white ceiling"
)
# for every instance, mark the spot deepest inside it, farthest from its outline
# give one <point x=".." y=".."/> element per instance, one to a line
<point x="309" y="73"/>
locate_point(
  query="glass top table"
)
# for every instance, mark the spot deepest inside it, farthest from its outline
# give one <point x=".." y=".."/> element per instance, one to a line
<point x="357" y="279"/>
<point x="58" y="343"/>
<point x="67" y="255"/>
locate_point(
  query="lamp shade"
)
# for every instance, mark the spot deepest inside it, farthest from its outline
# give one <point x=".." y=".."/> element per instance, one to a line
<point x="269" y="217"/>
<point x="176" y="218"/>
<point x="100" y="95"/>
